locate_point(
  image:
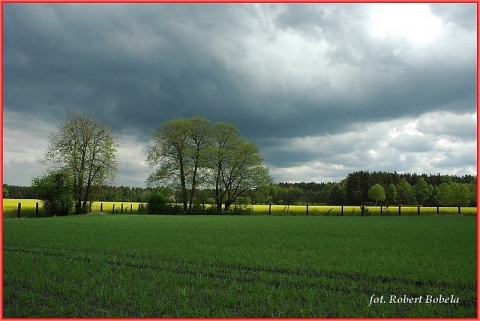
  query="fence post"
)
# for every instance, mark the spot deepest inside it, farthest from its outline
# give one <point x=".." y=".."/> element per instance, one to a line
<point x="342" y="210"/>
<point x="459" y="210"/>
<point x="101" y="207"/>
<point x="269" y="208"/>
<point x="113" y="209"/>
<point x="438" y="209"/>
<point x="19" y="209"/>
<point x="131" y="208"/>
<point x="399" y="210"/>
<point x="307" y="210"/>
<point x="381" y="210"/>
<point x="36" y="209"/>
<point x="418" y="210"/>
<point x="121" y="208"/>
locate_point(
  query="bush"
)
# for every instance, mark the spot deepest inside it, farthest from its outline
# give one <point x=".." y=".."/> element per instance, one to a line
<point x="55" y="190"/>
<point x="157" y="204"/>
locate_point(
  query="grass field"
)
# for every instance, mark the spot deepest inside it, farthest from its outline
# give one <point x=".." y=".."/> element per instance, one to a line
<point x="238" y="266"/>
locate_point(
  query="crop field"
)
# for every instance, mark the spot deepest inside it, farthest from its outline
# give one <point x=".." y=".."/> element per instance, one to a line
<point x="10" y="207"/>
<point x="100" y="265"/>
<point x="355" y="210"/>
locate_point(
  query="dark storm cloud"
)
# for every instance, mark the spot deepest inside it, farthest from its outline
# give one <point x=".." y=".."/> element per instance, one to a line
<point x="279" y="72"/>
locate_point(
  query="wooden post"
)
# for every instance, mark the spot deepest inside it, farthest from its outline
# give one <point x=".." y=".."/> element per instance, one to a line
<point x="19" y="209"/>
<point x="307" y="210"/>
<point x="418" y="210"/>
<point x="459" y="210"/>
<point x="269" y="208"/>
<point x="121" y="208"/>
<point x="113" y="209"/>
<point x="342" y="210"/>
<point x="399" y="210"/>
<point x="131" y="208"/>
<point x="438" y="209"/>
<point x="101" y="207"/>
<point x="36" y="209"/>
<point x="381" y="210"/>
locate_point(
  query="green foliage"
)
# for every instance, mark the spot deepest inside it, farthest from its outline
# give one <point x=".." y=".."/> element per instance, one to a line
<point x="5" y="191"/>
<point x="405" y="192"/>
<point x="189" y="153"/>
<point x="455" y="194"/>
<point x="85" y="148"/>
<point x="157" y="204"/>
<point x="55" y="190"/>
<point x="377" y="193"/>
<point x="391" y="193"/>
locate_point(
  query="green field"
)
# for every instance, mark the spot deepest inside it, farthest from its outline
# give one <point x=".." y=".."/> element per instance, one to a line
<point x="238" y="266"/>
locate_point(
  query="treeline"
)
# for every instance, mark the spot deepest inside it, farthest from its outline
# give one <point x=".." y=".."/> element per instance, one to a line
<point x="400" y="189"/>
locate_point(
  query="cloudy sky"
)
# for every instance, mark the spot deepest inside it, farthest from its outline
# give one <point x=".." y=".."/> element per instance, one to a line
<point x="323" y="90"/>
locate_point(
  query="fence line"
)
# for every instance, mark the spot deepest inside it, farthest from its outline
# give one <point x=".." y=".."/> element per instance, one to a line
<point x="270" y="209"/>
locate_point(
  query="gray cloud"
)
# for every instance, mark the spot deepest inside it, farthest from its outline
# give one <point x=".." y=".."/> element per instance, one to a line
<point x="285" y="74"/>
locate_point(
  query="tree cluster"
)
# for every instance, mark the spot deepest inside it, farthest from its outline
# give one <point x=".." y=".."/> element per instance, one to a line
<point x="81" y="157"/>
<point x="193" y="154"/>
<point x="376" y="187"/>
<point x="440" y="191"/>
<point x="200" y="162"/>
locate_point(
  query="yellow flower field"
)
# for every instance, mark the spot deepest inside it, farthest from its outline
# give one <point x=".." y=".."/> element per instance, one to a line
<point x="10" y="209"/>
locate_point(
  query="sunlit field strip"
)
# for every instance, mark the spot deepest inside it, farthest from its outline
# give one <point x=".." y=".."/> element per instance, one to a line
<point x="356" y="210"/>
<point x="10" y="207"/>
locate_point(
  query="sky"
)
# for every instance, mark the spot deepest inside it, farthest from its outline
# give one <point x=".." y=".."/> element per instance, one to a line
<point x="322" y="89"/>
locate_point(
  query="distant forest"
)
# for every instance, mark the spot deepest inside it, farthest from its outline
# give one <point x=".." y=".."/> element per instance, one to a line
<point x="403" y="189"/>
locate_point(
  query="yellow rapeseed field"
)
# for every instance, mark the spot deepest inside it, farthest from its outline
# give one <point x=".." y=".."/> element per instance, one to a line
<point x="10" y="209"/>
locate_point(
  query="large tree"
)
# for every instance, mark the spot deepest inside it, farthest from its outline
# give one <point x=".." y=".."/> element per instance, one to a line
<point x="189" y="153"/>
<point x="85" y="148"/>
<point x="177" y="150"/>
<point x="236" y="165"/>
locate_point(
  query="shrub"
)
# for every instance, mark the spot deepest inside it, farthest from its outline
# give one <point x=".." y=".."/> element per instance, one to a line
<point x="157" y="204"/>
<point x="55" y="190"/>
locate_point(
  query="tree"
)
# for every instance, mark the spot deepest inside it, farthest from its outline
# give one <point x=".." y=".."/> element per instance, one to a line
<point x="337" y="194"/>
<point x="357" y="186"/>
<point x="5" y="191"/>
<point x="178" y="151"/>
<point x="199" y="133"/>
<point x="377" y="193"/>
<point x="422" y="190"/>
<point x="455" y="194"/>
<point x="235" y="164"/>
<point x="55" y="190"/>
<point x="391" y="193"/>
<point x="405" y="192"/>
<point x="85" y="148"/>
<point x="193" y="152"/>
<point x="237" y="171"/>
